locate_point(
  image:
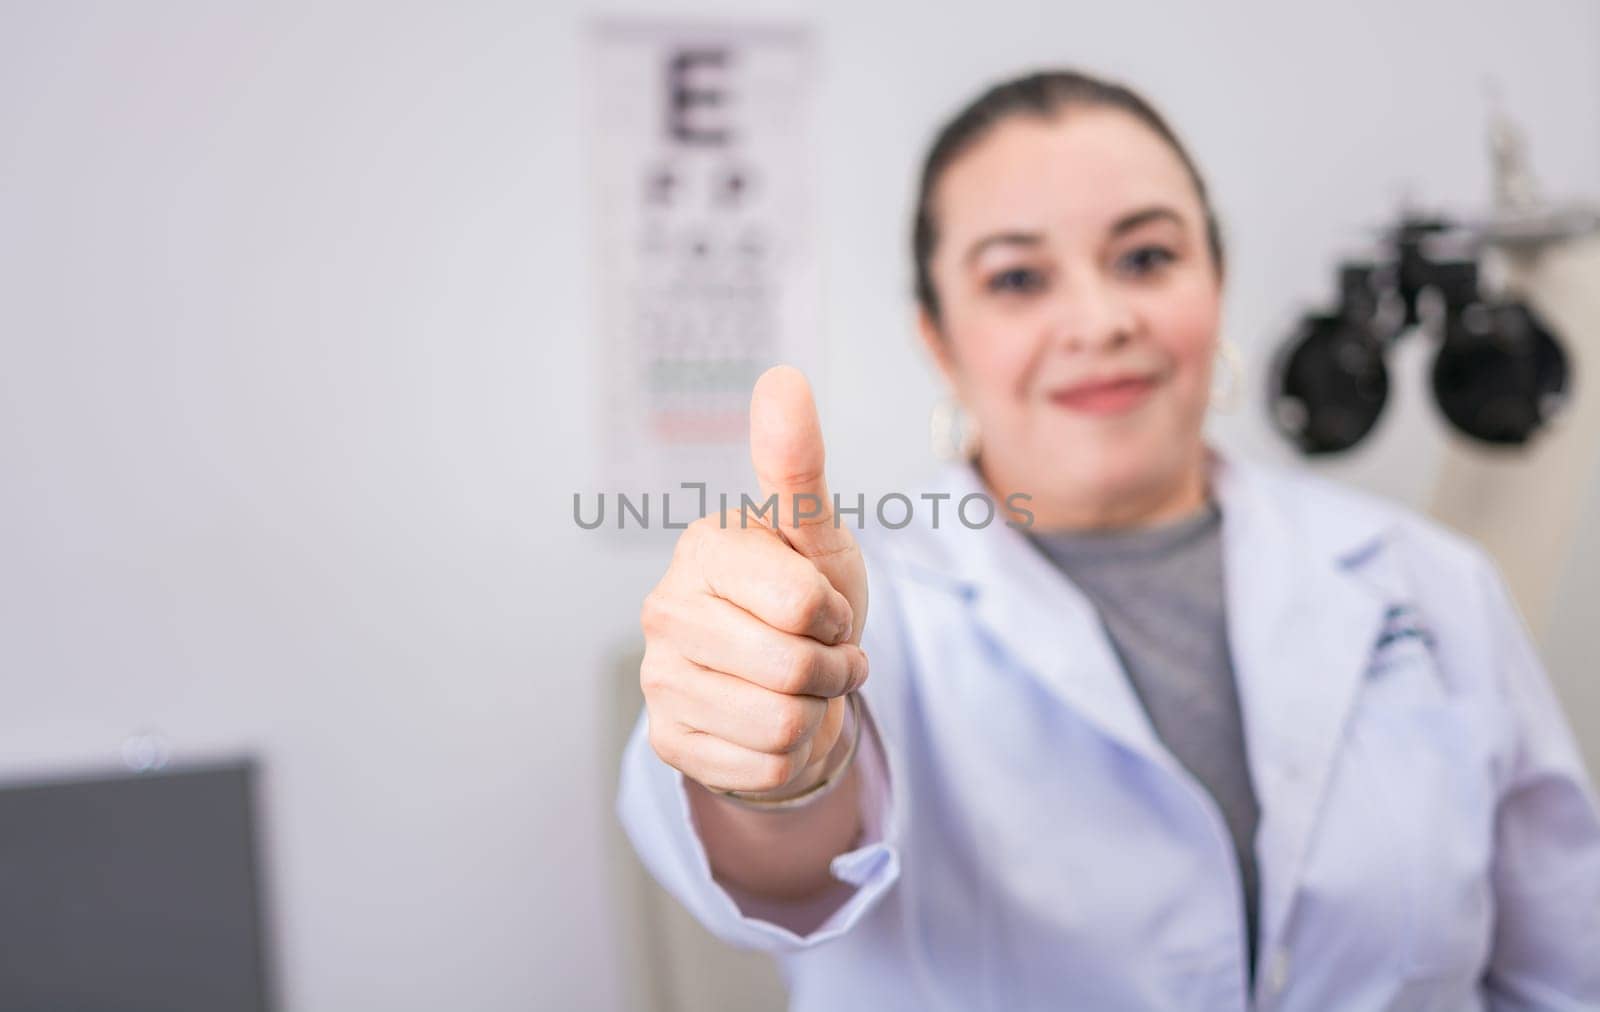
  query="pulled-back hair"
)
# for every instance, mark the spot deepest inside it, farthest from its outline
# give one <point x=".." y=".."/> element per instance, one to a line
<point x="1045" y="95"/>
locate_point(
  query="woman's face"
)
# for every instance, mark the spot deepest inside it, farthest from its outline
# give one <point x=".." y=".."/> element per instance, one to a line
<point x="1079" y="308"/>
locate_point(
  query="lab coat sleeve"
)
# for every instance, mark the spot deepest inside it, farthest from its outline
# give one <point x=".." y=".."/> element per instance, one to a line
<point x="653" y="805"/>
<point x="1546" y="871"/>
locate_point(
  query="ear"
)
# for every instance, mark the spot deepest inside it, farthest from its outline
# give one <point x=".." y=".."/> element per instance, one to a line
<point x="938" y="348"/>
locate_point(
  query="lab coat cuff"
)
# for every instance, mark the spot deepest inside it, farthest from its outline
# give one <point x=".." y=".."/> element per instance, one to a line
<point x="674" y="852"/>
<point x="871" y="866"/>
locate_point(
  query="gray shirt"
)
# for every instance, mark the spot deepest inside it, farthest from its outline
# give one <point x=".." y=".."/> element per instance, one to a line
<point x="1159" y="593"/>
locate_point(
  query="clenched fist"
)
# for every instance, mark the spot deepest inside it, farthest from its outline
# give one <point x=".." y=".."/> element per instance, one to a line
<point x="752" y="636"/>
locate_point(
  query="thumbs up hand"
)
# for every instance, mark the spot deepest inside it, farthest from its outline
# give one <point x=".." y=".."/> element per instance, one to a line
<point x="752" y="638"/>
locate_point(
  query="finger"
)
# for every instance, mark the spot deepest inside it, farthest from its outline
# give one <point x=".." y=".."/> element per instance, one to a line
<point x="744" y="713"/>
<point x="738" y="644"/>
<point x="719" y="636"/>
<point x="723" y="766"/>
<point x="766" y="578"/>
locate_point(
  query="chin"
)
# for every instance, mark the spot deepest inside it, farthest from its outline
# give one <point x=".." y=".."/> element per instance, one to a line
<point x="1130" y="466"/>
<point x="1108" y="484"/>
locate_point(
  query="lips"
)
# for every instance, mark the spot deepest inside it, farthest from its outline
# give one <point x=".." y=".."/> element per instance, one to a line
<point x="1104" y="397"/>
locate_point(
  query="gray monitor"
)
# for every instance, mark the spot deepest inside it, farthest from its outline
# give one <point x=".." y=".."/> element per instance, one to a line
<point x="133" y="892"/>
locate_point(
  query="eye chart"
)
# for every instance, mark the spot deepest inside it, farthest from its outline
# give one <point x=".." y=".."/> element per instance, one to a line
<point x="703" y="174"/>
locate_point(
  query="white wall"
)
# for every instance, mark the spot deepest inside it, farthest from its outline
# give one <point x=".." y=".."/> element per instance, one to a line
<point x="293" y="390"/>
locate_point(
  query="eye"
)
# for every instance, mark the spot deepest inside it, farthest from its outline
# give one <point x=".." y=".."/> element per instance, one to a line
<point x="1145" y="260"/>
<point x="1016" y="279"/>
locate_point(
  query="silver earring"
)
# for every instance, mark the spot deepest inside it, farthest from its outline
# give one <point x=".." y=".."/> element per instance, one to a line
<point x="1225" y="397"/>
<point x="952" y="432"/>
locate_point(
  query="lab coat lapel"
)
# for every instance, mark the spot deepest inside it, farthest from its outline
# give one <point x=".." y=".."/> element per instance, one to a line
<point x="1045" y="623"/>
<point x="1308" y="586"/>
<point x="1305" y="607"/>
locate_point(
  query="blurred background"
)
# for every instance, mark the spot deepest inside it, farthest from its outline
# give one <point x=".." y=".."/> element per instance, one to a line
<point x="304" y="355"/>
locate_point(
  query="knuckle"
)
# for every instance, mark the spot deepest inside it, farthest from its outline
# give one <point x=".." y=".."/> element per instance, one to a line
<point x="799" y="669"/>
<point x="655" y="615"/>
<point x="706" y="547"/>
<point x="652" y="676"/>
<point x="703" y="531"/>
<point x="698" y="529"/>
<point x="773" y="771"/>
<point x="861" y="666"/>
<point x="664" y="745"/>
<point x="688" y="544"/>
<point x="849" y="616"/>
<point x="806" y="601"/>
<point x="791" y="725"/>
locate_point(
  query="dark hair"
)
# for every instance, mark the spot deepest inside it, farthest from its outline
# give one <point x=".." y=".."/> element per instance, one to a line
<point x="1045" y="95"/>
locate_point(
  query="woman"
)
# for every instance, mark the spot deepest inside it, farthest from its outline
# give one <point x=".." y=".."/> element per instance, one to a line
<point x="1204" y="735"/>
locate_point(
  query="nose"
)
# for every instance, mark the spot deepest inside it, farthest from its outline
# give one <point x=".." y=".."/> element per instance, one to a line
<point x="1091" y="315"/>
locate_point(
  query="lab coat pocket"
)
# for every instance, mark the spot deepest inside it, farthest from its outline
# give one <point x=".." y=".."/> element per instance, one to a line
<point x="1438" y="794"/>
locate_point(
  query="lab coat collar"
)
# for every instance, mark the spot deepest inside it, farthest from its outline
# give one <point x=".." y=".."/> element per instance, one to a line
<point x="1308" y="584"/>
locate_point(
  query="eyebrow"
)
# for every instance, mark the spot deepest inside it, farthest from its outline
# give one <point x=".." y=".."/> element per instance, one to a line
<point x="1003" y="239"/>
<point x="1124" y="224"/>
<point x="1143" y="216"/>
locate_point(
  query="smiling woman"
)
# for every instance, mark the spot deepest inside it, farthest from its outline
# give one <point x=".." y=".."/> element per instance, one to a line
<point x="1164" y="748"/>
<point x="1060" y="212"/>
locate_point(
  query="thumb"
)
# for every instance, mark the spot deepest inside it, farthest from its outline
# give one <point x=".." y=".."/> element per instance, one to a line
<point x="786" y="449"/>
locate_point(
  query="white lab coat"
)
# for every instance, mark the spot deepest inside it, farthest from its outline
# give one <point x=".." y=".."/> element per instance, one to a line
<point x="1428" y="836"/>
